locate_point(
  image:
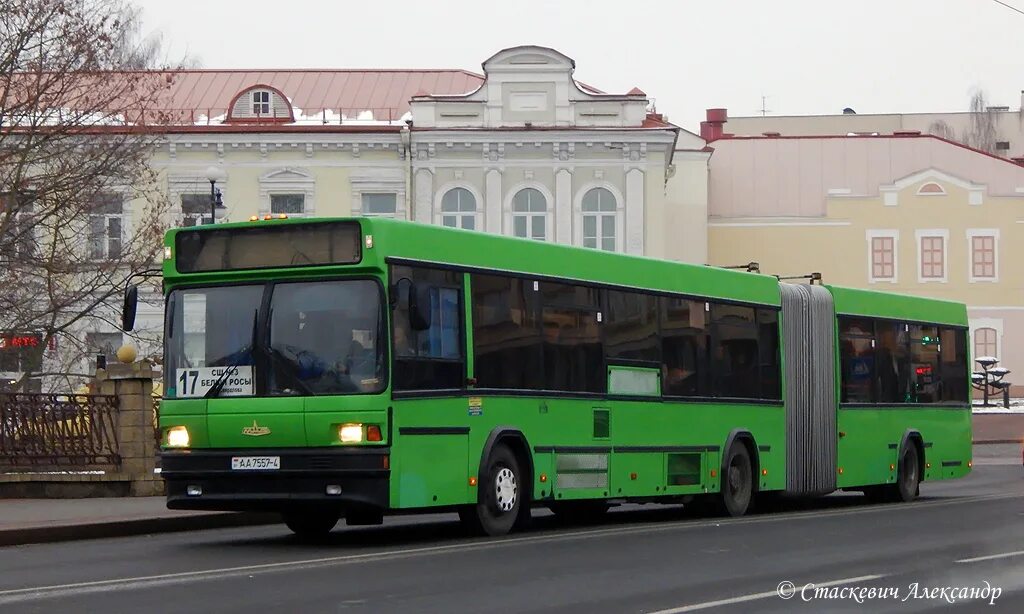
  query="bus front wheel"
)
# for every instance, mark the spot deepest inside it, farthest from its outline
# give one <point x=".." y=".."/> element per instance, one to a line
<point x="737" y="481"/>
<point x="500" y="495"/>
<point x="311" y="524"/>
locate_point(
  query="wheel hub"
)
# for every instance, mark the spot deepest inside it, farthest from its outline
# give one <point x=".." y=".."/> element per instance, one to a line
<point x="505" y="489"/>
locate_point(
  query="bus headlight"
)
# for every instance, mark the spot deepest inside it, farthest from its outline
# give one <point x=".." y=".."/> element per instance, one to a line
<point x="350" y="433"/>
<point x="177" y="437"/>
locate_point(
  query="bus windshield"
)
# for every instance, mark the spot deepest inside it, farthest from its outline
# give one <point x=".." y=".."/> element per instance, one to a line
<point x="323" y="337"/>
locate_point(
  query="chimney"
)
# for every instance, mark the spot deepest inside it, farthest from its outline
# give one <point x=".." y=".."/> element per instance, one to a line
<point x="713" y="128"/>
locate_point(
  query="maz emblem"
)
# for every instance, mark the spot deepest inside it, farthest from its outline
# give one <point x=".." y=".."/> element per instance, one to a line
<point x="255" y="430"/>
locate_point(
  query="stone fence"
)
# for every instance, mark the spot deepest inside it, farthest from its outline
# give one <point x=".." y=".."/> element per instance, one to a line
<point x="97" y="444"/>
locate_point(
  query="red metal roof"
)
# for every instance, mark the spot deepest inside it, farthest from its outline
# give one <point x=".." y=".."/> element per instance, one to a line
<point x="385" y="93"/>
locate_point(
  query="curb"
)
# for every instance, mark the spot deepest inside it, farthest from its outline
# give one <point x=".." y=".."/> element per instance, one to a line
<point x="137" y="526"/>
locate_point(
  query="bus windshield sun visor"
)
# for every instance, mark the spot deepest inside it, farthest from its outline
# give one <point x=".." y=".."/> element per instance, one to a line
<point x="277" y="246"/>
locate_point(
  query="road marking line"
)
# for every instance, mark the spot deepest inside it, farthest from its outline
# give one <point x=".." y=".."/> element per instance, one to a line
<point x="765" y="595"/>
<point x="991" y="557"/>
<point x="79" y="588"/>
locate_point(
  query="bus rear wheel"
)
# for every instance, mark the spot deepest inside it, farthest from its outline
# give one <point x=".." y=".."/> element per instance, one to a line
<point x="309" y="524"/>
<point x="908" y="478"/>
<point x="737" y="481"/>
<point x="499" y="498"/>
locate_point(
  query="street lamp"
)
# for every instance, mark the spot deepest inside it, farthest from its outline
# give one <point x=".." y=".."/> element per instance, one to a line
<point x="217" y="208"/>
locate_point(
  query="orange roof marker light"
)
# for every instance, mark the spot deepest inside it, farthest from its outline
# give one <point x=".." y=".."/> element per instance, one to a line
<point x="253" y="218"/>
<point x="282" y="216"/>
<point x="268" y="217"/>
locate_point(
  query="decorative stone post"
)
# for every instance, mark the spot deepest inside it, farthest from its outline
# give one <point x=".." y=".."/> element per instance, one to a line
<point x="133" y="385"/>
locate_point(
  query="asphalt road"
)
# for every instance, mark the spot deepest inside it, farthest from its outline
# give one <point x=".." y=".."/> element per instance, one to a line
<point x="959" y="536"/>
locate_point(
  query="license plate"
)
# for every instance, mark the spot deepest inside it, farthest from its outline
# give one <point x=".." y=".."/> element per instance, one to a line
<point x="248" y="463"/>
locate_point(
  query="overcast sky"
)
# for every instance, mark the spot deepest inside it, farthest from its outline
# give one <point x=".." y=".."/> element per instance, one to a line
<point x="806" y="56"/>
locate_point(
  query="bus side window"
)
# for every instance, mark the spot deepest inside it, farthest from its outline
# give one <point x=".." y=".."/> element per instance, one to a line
<point x="734" y="352"/>
<point x="953" y="386"/>
<point x="433" y="358"/>
<point x="684" y="347"/>
<point x="768" y="345"/>
<point x="857" y="360"/>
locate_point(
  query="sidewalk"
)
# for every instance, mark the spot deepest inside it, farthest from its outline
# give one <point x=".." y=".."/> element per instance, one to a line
<point x="29" y="521"/>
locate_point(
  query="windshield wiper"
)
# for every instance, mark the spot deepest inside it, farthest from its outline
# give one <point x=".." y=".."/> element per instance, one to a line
<point x="222" y="379"/>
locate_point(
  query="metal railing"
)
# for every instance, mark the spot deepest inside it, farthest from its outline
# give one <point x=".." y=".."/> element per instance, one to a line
<point x="61" y="431"/>
<point x="337" y="116"/>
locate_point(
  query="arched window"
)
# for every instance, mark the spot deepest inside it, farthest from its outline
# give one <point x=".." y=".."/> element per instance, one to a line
<point x="985" y="343"/>
<point x="599" y="219"/>
<point x="529" y="214"/>
<point x="931" y="189"/>
<point x="458" y="209"/>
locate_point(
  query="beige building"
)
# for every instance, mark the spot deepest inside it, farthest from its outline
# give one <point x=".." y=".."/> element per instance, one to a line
<point x="912" y="214"/>
<point x="1006" y="137"/>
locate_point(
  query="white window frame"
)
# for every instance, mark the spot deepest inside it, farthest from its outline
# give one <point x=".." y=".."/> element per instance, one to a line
<point x="982" y="232"/>
<point x="477" y="213"/>
<point x="620" y="213"/>
<point x="379" y="181"/>
<point x="194" y="183"/>
<point x="199" y="217"/>
<point x="884" y="234"/>
<point x="273" y="193"/>
<point x="288" y="180"/>
<point x="919" y="235"/>
<point x="941" y="192"/>
<point x="365" y="213"/>
<point x="30" y="235"/>
<point x="549" y="211"/>
<point x="257" y="106"/>
<point x="123" y="216"/>
<point x="993" y="323"/>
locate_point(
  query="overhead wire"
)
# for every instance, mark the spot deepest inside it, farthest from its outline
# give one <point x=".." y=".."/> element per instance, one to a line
<point x="1009" y="6"/>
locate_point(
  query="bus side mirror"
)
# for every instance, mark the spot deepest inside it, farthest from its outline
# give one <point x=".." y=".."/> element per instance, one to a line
<point x="419" y="307"/>
<point x="129" y="307"/>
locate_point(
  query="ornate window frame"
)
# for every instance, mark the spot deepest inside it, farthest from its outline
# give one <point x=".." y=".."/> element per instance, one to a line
<point x="620" y="213"/>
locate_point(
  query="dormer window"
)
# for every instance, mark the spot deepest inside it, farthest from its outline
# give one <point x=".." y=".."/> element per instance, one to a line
<point x="261" y="102"/>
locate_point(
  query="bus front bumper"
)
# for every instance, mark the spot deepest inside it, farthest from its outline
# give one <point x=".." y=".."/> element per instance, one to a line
<point x="356" y="478"/>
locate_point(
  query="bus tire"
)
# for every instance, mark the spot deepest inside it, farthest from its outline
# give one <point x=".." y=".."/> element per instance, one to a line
<point x="310" y="524"/>
<point x="908" y="478"/>
<point x="737" y="488"/>
<point x="499" y="497"/>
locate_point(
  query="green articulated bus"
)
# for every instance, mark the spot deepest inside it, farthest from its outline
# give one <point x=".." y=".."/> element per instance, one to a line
<point x="356" y="367"/>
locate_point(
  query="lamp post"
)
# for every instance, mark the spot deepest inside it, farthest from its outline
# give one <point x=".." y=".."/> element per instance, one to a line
<point x="217" y="208"/>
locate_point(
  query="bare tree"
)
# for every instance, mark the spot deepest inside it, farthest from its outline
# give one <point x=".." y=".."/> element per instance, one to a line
<point x="78" y="120"/>
<point x="982" y="131"/>
<point x="941" y="129"/>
